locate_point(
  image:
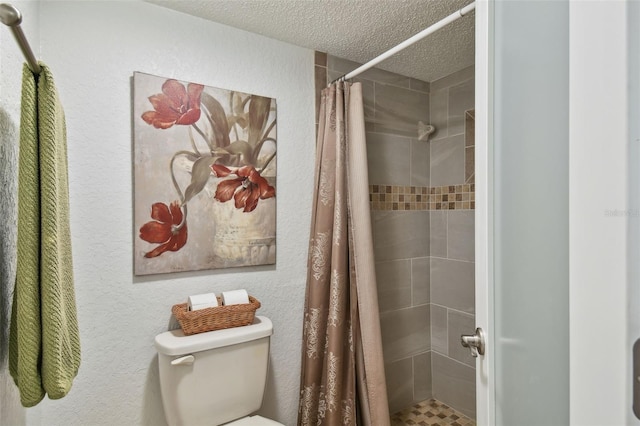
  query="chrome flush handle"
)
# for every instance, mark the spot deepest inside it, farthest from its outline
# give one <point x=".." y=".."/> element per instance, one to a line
<point x="475" y="342"/>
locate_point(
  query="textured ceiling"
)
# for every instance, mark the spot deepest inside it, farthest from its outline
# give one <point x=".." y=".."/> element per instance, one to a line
<point x="358" y="30"/>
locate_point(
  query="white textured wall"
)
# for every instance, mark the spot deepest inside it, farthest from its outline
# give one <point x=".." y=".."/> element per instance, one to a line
<point x="599" y="214"/>
<point x="93" y="49"/>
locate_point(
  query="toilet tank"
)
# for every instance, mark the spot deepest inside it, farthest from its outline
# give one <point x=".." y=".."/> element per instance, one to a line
<point x="215" y="377"/>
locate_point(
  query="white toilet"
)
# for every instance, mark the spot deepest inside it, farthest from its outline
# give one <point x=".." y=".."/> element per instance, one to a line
<point x="217" y="377"/>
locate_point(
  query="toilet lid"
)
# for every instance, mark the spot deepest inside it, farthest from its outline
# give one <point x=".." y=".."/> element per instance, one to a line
<point x="254" y="421"/>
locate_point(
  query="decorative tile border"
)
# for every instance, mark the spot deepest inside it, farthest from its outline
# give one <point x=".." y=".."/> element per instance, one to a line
<point x="450" y="197"/>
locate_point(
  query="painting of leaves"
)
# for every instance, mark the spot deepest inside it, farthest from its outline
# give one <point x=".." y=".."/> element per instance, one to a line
<point x="204" y="177"/>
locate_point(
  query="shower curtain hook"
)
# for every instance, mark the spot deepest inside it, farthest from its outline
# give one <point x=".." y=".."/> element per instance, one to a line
<point x="340" y="79"/>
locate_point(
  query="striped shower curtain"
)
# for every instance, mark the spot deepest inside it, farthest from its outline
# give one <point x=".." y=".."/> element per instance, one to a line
<point x="342" y="380"/>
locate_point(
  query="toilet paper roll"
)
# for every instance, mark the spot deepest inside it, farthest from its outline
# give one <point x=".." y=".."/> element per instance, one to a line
<point x="202" y="301"/>
<point x="235" y="297"/>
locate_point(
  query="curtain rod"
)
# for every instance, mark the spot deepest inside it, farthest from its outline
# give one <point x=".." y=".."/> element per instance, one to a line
<point x="11" y="17"/>
<point x="417" y="37"/>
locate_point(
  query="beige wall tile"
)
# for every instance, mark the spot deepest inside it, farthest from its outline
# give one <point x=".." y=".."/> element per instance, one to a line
<point x="454" y="78"/>
<point x="345" y="66"/>
<point x="420" y="281"/>
<point x="470" y="128"/>
<point x="419" y="163"/>
<point x="461" y="235"/>
<point x="396" y="236"/>
<point x="387" y="159"/>
<point x="398" y="110"/>
<point x="399" y="377"/>
<point x="447" y="161"/>
<point x="394" y="282"/>
<point x="469" y="164"/>
<point x="405" y="332"/>
<point x="461" y="99"/>
<point x="439" y="335"/>
<point x="321" y="58"/>
<point x="453" y="284"/>
<point x="454" y="384"/>
<point x="438" y="113"/>
<point x="438" y="230"/>
<point x="419" y="85"/>
<point x="320" y="83"/>
<point x="422" y="377"/>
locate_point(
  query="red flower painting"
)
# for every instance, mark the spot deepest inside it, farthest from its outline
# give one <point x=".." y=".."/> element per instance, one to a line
<point x="167" y="229"/>
<point x="192" y="140"/>
<point x="252" y="187"/>
<point x="175" y="105"/>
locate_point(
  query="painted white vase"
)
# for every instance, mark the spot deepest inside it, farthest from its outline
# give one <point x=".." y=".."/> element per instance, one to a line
<point x="244" y="239"/>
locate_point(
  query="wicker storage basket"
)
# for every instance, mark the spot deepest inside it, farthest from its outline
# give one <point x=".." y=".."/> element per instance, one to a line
<point x="209" y="319"/>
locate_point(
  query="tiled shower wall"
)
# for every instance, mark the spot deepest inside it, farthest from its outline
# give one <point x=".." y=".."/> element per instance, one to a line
<point x="405" y="196"/>
<point x="452" y="256"/>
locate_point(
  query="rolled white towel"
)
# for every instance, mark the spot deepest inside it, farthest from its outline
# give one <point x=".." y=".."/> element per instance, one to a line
<point x="235" y="297"/>
<point x="202" y="301"/>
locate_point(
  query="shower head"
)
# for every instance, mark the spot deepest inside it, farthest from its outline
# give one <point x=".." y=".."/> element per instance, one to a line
<point x="424" y="130"/>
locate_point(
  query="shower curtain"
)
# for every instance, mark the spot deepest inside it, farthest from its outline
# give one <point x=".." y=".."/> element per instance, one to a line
<point x="342" y="380"/>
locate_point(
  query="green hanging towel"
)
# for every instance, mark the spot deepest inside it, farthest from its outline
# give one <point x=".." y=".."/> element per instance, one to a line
<point x="44" y="343"/>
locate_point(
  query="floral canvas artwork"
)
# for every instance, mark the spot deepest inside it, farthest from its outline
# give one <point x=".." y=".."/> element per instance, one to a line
<point x="204" y="177"/>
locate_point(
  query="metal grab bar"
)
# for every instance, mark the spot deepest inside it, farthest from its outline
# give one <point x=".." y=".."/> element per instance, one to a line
<point x="11" y="17"/>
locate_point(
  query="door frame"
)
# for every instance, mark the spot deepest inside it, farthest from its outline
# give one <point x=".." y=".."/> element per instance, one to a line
<point x="485" y="376"/>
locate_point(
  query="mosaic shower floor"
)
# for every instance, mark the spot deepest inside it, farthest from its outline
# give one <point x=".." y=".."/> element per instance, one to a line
<point x="430" y="412"/>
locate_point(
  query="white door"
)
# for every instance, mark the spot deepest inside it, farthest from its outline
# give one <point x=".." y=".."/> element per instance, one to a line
<point x="557" y="184"/>
<point x="522" y="212"/>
